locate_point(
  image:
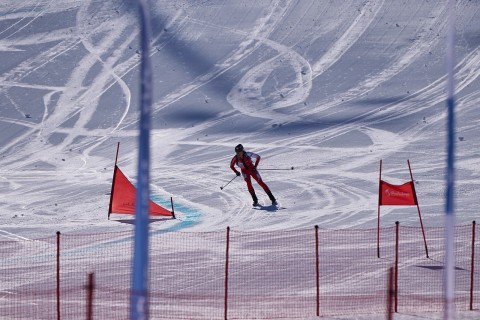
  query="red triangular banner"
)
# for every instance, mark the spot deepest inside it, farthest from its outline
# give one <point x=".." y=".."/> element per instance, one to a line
<point x="397" y="195"/>
<point x="123" y="197"/>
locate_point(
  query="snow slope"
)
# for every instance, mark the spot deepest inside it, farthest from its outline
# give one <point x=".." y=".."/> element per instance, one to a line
<point x="327" y="87"/>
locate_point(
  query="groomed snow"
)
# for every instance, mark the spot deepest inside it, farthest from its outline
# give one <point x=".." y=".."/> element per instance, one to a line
<point x="327" y="87"/>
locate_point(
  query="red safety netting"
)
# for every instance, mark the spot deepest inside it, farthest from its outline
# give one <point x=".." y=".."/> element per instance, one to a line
<point x="293" y="274"/>
<point x="420" y="279"/>
<point x="272" y="275"/>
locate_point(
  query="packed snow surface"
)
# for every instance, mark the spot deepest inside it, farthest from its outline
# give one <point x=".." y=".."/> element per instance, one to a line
<point x="328" y="88"/>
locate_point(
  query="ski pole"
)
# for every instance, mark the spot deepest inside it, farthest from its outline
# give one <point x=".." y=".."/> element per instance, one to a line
<point x="221" y="188"/>
<point x="277" y="168"/>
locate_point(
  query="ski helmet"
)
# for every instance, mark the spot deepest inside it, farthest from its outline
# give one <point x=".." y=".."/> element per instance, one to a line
<point x="239" y="148"/>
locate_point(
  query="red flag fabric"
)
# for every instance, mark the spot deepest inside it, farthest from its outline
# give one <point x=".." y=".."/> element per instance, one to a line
<point x="397" y="195"/>
<point x="123" y="197"/>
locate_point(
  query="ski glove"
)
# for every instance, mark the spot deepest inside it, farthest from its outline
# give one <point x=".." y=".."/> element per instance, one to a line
<point x="237" y="173"/>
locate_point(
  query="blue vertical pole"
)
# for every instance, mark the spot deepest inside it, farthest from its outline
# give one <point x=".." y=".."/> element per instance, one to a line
<point x="449" y="274"/>
<point x="139" y="290"/>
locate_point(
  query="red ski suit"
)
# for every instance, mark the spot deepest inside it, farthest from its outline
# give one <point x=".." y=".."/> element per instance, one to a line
<point x="249" y="169"/>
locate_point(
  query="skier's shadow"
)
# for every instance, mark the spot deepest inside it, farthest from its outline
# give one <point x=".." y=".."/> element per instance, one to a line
<point x="270" y="208"/>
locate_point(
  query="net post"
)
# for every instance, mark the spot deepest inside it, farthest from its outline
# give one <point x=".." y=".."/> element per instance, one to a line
<point x="90" y="289"/>
<point x="472" y="264"/>
<point x="317" y="273"/>
<point x="390" y="293"/>
<point x="397" y="227"/>
<point x="58" y="275"/>
<point x="226" y="273"/>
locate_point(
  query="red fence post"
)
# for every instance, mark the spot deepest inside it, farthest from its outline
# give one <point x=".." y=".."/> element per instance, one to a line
<point x="390" y="294"/>
<point x="90" y="288"/>
<point x="317" y="272"/>
<point x="472" y="265"/>
<point x="58" y="275"/>
<point x="226" y="273"/>
<point x="397" y="226"/>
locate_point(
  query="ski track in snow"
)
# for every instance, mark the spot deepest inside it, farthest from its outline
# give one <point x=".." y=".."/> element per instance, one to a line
<point x="296" y="84"/>
<point x="246" y="96"/>
<point x="429" y="38"/>
<point x="357" y="27"/>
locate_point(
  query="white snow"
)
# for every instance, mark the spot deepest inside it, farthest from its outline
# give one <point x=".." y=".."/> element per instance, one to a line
<point x="327" y="87"/>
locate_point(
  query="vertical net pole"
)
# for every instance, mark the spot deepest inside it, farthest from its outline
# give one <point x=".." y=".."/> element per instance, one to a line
<point x="139" y="306"/>
<point x="227" y="251"/>
<point x="397" y="227"/>
<point x="58" y="275"/>
<point x="317" y="272"/>
<point x="390" y="293"/>
<point x="449" y="275"/>
<point x="90" y="288"/>
<point x="472" y="268"/>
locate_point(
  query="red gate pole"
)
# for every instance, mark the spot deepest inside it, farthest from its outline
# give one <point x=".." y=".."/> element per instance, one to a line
<point x="397" y="226"/>
<point x="226" y="273"/>
<point x="418" y="208"/>
<point x="113" y="181"/>
<point x="90" y="288"/>
<point x="472" y="264"/>
<point x="378" y="223"/>
<point x="58" y="275"/>
<point x="317" y="272"/>
<point x="173" y="210"/>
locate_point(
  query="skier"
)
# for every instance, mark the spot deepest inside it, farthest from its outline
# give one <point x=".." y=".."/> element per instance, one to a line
<point x="243" y="160"/>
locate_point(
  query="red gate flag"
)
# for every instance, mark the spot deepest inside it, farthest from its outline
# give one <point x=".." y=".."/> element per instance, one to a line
<point x="397" y="195"/>
<point x="123" y="197"/>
